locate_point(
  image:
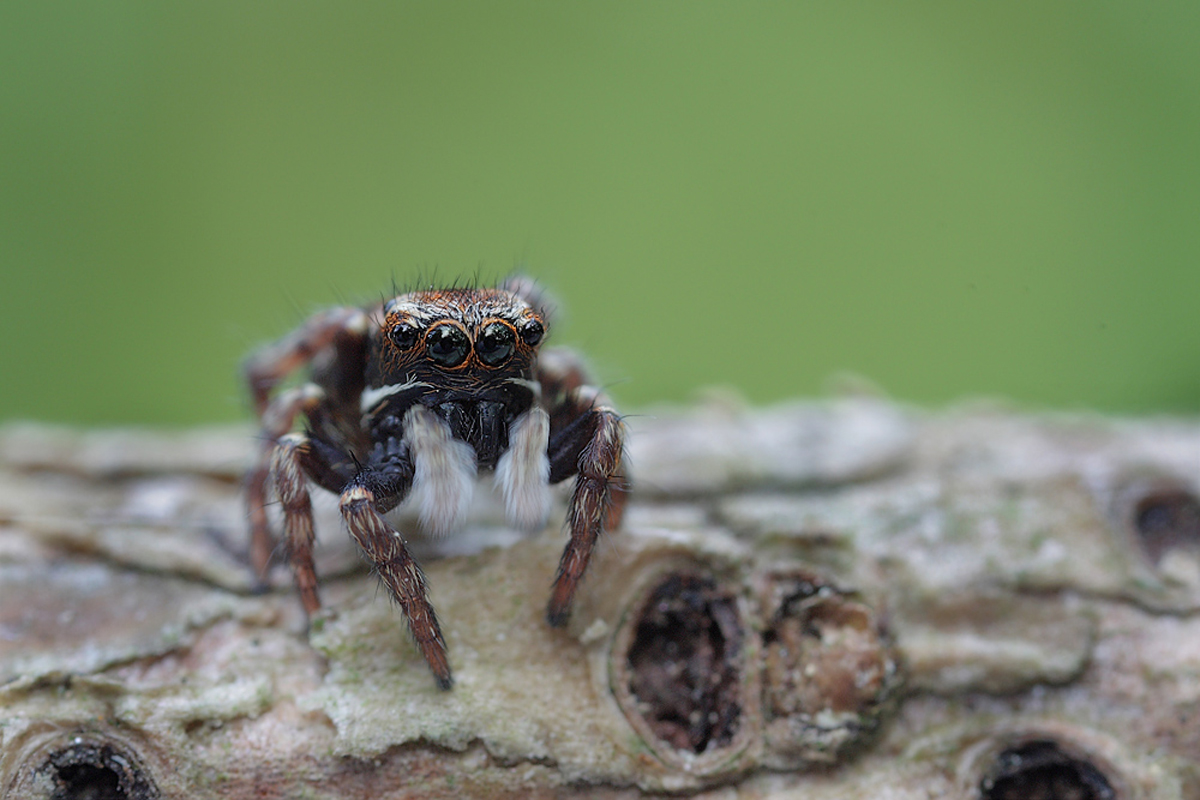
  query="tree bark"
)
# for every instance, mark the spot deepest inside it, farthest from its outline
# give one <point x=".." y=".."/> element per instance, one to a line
<point x="824" y="600"/>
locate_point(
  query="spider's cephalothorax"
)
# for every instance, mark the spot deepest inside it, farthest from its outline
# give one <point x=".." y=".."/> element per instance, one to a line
<point x="412" y="397"/>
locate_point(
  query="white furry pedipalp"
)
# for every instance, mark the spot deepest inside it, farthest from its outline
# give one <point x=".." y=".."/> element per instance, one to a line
<point x="444" y="471"/>
<point x="523" y="472"/>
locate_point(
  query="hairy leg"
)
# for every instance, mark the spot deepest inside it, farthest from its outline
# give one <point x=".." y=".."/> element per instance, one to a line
<point x="277" y="419"/>
<point x="292" y="489"/>
<point x="379" y="486"/>
<point x="592" y="448"/>
<point x="338" y="333"/>
<point x="400" y="574"/>
<point x="344" y="328"/>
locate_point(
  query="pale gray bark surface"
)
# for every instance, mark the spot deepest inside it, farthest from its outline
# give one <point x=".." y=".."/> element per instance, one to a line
<point x="902" y="598"/>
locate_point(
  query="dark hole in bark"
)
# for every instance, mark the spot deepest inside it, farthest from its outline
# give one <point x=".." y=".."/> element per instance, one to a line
<point x="685" y="661"/>
<point x="1166" y="520"/>
<point x="87" y="782"/>
<point x="90" y="771"/>
<point x="1040" y="770"/>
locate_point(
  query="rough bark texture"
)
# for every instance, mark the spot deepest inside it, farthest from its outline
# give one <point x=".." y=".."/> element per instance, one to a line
<point x="828" y="600"/>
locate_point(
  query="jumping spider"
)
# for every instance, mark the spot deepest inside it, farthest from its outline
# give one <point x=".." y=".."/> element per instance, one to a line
<point x="412" y="396"/>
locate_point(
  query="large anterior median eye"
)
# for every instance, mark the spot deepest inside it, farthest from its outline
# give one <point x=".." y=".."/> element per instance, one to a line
<point x="495" y="344"/>
<point x="447" y="344"/>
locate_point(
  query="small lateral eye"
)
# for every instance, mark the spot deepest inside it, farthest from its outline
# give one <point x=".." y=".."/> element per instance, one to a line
<point x="404" y="335"/>
<point x="448" y="345"/>
<point x="532" y="332"/>
<point x="495" y="344"/>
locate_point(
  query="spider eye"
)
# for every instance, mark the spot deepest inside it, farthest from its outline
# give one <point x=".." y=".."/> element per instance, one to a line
<point x="495" y="344"/>
<point x="532" y="332"/>
<point x="404" y="335"/>
<point x="448" y="345"/>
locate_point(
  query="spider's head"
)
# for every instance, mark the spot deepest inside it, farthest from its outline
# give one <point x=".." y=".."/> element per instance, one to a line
<point x="475" y="334"/>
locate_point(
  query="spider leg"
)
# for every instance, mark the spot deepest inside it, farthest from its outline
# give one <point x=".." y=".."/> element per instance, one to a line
<point x="292" y="487"/>
<point x="339" y="332"/>
<point x="266" y="368"/>
<point x="294" y="458"/>
<point x="590" y="447"/>
<point x="277" y="419"/>
<point x="375" y="490"/>
<point x="561" y="373"/>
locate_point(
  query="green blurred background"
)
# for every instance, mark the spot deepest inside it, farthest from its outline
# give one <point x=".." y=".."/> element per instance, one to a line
<point x="951" y="199"/>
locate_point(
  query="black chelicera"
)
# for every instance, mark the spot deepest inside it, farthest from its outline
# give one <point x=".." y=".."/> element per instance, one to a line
<point x="411" y="398"/>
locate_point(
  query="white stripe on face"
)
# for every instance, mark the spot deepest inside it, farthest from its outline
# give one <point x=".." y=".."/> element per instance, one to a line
<point x="371" y="397"/>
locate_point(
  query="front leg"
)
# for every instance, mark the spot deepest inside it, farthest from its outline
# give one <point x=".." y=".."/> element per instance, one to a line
<point x="592" y="446"/>
<point x="396" y="569"/>
<point x="400" y="574"/>
<point x="428" y="460"/>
